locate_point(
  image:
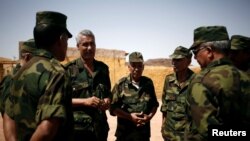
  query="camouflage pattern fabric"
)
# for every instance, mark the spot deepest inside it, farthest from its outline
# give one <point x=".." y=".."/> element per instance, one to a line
<point x="239" y="42"/>
<point x="136" y="57"/>
<point x="40" y="90"/>
<point x="174" y="106"/>
<point x="4" y="85"/>
<point x="181" y="52"/>
<point x="5" y="88"/>
<point x="85" y="86"/>
<point x="218" y="95"/>
<point x="45" y="18"/>
<point x="205" y="34"/>
<point x="130" y="99"/>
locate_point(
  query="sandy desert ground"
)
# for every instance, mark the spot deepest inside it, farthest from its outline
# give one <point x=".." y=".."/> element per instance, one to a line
<point x="155" y="127"/>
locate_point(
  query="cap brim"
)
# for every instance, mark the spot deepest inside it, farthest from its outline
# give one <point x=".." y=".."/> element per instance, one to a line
<point x="174" y="56"/>
<point x="236" y="48"/>
<point x="194" y="45"/>
<point x="69" y="34"/>
<point x="136" y="61"/>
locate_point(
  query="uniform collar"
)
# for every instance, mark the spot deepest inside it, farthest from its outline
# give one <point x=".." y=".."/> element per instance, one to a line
<point x="43" y="53"/>
<point x="222" y="61"/>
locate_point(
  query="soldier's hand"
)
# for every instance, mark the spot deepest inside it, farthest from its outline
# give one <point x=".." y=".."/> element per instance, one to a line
<point x="93" y="102"/>
<point x="137" y="118"/>
<point x="104" y="104"/>
<point x="146" y="118"/>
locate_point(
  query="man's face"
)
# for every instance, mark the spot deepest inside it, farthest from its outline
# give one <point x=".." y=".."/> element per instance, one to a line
<point x="201" y="55"/>
<point x="136" y="69"/>
<point x="180" y="64"/>
<point x="87" y="47"/>
<point x="240" y="58"/>
<point x="60" y="50"/>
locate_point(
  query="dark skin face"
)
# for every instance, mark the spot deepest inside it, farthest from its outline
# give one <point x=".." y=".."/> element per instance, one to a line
<point x="61" y="48"/>
<point x="180" y="64"/>
<point x="240" y="58"/>
<point x="136" y="69"/>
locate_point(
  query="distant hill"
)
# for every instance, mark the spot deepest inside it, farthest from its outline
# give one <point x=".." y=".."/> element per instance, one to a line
<point x="158" y="62"/>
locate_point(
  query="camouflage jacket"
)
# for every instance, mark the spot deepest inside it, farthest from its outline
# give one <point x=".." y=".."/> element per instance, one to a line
<point x="5" y="87"/>
<point x="4" y="91"/>
<point x="85" y="86"/>
<point x="40" y="90"/>
<point x="218" y="96"/>
<point x="174" y="106"/>
<point x="130" y="99"/>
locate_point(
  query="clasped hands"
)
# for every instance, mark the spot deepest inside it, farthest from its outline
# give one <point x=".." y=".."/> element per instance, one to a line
<point x="140" y="119"/>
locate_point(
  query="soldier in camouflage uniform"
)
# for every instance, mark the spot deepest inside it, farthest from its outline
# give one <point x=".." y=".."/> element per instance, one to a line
<point x="239" y="52"/>
<point x="134" y="102"/>
<point x="40" y="94"/>
<point x="174" y="96"/>
<point x="218" y="96"/>
<point x="91" y="91"/>
<point x="26" y="50"/>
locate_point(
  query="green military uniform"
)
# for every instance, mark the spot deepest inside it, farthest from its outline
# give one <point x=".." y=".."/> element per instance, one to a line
<point x="219" y="95"/>
<point x="218" y="89"/>
<point x="26" y="47"/>
<point x="174" y="100"/>
<point x="131" y="99"/>
<point x="4" y="88"/>
<point x="41" y="90"/>
<point x="87" y="119"/>
<point x="174" y="104"/>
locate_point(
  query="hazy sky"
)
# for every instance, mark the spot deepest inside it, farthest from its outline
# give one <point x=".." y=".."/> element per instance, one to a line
<point x="153" y="27"/>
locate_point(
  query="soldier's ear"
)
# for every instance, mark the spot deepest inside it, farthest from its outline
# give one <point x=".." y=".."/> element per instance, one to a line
<point x="209" y="48"/>
<point x="210" y="52"/>
<point x="64" y="36"/>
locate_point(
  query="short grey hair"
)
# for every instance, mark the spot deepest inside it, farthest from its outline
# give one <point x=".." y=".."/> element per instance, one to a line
<point x="220" y="46"/>
<point x="84" y="32"/>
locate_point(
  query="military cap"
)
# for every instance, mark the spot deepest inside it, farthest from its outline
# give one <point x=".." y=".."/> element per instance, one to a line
<point x="135" y="57"/>
<point x="239" y="42"/>
<point x="52" y="18"/>
<point x="181" y="52"/>
<point x="209" y="33"/>
<point x="28" y="46"/>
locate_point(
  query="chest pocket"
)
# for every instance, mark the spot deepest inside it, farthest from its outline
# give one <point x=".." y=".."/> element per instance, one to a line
<point x="171" y="101"/>
<point x="176" y="105"/>
<point x="134" y="103"/>
<point x="175" y="102"/>
<point x="81" y="89"/>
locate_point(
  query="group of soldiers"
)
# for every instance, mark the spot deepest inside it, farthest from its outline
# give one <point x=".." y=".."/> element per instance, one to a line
<point x="45" y="100"/>
<point x="217" y="97"/>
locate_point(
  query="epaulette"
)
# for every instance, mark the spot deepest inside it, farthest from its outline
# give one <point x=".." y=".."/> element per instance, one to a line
<point x="55" y="64"/>
<point x="122" y="80"/>
<point x="70" y="63"/>
<point x="170" y="77"/>
<point x="145" y="78"/>
<point x="28" y="64"/>
<point x="101" y="63"/>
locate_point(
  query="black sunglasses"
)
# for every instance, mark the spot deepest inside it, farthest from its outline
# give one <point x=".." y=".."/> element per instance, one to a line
<point x="196" y="50"/>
